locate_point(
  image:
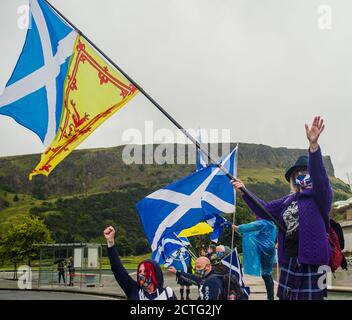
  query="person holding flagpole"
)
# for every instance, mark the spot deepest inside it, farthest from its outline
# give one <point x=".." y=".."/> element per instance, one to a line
<point x="303" y="248"/>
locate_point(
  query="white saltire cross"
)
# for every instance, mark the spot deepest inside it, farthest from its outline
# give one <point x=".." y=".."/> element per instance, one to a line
<point x="44" y="76"/>
<point x="187" y="202"/>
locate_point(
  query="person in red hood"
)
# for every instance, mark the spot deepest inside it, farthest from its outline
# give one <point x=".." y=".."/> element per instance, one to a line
<point x="150" y="280"/>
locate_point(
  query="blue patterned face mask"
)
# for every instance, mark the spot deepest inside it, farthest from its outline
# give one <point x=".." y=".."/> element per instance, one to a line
<point x="200" y="273"/>
<point x="143" y="281"/>
<point x="304" y="181"/>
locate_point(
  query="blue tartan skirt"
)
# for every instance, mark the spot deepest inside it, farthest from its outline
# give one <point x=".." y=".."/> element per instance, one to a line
<point x="301" y="281"/>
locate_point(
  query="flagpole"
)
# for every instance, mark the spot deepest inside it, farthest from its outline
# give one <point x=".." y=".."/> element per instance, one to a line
<point x="232" y="228"/>
<point x="157" y="105"/>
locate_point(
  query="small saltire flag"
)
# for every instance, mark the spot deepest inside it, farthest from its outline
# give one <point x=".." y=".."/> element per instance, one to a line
<point x="188" y="201"/>
<point x="61" y="89"/>
<point x="233" y="264"/>
<point x="218" y="224"/>
<point x="173" y="252"/>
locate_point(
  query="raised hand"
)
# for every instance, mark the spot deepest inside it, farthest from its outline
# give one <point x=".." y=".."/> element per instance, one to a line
<point x="109" y="234"/>
<point x="314" y="132"/>
<point x="238" y="185"/>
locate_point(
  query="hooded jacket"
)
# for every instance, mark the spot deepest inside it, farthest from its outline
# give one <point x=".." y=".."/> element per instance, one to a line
<point x="131" y="287"/>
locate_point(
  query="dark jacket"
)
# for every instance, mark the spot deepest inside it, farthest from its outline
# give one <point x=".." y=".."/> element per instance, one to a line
<point x="210" y="287"/>
<point x="131" y="287"/>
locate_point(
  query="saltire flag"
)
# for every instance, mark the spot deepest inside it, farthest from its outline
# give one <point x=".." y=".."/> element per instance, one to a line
<point x="218" y="224"/>
<point x="215" y="225"/>
<point x="187" y="202"/>
<point x="233" y="265"/>
<point x="173" y="252"/>
<point x="61" y="88"/>
<point x="202" y="227"/>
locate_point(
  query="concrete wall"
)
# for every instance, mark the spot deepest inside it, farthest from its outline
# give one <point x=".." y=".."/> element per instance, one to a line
<point x="347" y="231"/>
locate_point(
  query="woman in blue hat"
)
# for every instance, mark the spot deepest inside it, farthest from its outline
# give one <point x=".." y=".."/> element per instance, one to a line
<point x="303" y="249"/>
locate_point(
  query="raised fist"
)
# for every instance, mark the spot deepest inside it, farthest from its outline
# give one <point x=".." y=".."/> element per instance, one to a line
<point x="109" y="234"/>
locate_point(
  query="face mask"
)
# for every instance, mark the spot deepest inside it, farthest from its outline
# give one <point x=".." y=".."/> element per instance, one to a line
<point x="143" y="281"/>
<point x="219" y="255"/>
<point x="200" y="273"/>
<point x="303" y="181"/>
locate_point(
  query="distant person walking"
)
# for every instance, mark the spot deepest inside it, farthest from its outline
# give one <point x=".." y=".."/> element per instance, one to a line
<point x="61" y="271"/>
<point x="150" y="279"/>
<point x="71" y="270"/>
<point x="258" y="243"/>
<point x="304" y="214"/>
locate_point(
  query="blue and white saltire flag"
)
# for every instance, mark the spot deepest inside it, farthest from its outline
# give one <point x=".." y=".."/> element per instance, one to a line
<point x="33" y="95"/>
<point x="173" y="252"/>
<point x="232" y="263"/>
<point x="218" y="223"/>
<point x="188" y="201"/>
<point x="201" y="159"/>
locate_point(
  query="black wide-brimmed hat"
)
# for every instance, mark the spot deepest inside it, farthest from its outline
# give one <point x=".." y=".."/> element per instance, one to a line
<point x="302" y="161"/>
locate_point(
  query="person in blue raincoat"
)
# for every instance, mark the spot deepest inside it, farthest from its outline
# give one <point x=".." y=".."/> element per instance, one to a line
<point x="259" y="238"/>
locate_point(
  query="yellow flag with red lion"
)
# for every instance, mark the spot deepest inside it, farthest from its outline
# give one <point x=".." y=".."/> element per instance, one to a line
<point x="93" y="92"/>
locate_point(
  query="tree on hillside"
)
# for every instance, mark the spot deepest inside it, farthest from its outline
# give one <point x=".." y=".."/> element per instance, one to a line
<point x="20" y="241"/>
<point x="141" y="247"/>
<point x="123" y="245"/>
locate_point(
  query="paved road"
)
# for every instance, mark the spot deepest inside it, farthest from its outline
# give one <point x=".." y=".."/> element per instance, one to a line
<point x="108" y="287"/>
<point x="44" y="295"/>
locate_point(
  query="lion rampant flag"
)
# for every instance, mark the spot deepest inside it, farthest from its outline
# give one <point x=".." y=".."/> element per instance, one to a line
<point x="93" y="92"/>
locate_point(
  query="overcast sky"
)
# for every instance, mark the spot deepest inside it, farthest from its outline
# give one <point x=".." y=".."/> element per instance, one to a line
<point x="259" y="68"/>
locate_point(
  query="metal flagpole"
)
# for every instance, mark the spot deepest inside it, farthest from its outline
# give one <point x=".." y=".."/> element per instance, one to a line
<point x="198" y="145"/>
<point x="233" y="230"/>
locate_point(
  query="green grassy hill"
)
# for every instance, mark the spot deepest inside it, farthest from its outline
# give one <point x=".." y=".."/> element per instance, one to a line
<point x="95" y="188"/>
